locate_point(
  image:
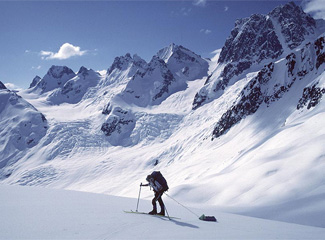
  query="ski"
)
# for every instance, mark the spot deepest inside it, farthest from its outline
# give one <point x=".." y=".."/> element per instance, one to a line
<point x="151" y="215"/>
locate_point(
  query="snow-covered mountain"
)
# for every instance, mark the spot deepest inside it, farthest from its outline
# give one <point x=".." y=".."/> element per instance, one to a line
<point x="167" y="73"/>
<point x="275" y="80"/>
<point x="21" y="128"/>
<point x="75" y="88"/>
<point x="246" y="136"/>
<point x="56" y="77"/>
<point x="254" y="42"/>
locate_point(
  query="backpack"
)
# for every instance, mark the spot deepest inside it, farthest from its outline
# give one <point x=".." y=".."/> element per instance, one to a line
<point x="157" y="176"/>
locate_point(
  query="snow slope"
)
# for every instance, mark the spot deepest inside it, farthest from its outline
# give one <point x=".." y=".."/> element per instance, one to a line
<point x="22" y="126"/>
<point x="37" y="213"/>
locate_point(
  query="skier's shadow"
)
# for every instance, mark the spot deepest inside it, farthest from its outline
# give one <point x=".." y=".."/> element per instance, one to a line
<point x="183" y="224"/>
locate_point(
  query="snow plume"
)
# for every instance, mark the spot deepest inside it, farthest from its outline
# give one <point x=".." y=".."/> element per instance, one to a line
<point x="314" y="7"/>
<point x="66" y="51"/>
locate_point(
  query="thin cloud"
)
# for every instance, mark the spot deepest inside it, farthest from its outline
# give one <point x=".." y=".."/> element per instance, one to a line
<point x="205" y="31"/>
<point x="66" y="51"/>
<point x="186" y="11"/>
<point x="12" y="87"/>
<point x="226" y="8"/>
<point x="200" y="3"/>
<point x="37" y="68"/>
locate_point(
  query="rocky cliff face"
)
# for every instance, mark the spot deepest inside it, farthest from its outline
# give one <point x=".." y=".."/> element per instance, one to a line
<point x="35" y="81"/>
<point x="294" y="23"/>
<point x="256" y="40"/>
<point x="267" y="87"/>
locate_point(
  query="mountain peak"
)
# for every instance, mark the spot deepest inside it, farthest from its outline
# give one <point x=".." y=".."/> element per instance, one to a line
<point x="35" y="81"/>
<point x="82" y="70"/>
<point x="250" y="39"/>
<point x="167" y="52"/>
<point x="120" y="63"/>
<point x="294" y="22"/>
<point x="55" y="77"/>
<point x="59" y="71"/>
<point x="85" y="71"/>
<point x="173" y="50"/>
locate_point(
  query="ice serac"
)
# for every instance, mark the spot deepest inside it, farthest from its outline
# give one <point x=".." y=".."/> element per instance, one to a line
<point x="56" y="77"/>
<point x="255" y="41"/>
<point x="167" y="73"/>
<point x="75" y="88"/>
<point x="21" y="127"/>
<point x="118" y="126"/>
<point x="267" y="87"/>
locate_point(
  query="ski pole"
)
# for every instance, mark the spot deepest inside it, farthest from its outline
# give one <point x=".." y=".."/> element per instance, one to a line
<point x="167" y="212"/>
<point x="139" y="197"/>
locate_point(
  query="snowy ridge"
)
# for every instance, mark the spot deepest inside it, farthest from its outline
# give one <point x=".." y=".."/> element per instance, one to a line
<point x="56" y="77"/>
<point x="75" y="88"/>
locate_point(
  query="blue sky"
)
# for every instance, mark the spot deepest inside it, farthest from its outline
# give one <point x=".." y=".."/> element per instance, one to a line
<point x="35" y="35"/>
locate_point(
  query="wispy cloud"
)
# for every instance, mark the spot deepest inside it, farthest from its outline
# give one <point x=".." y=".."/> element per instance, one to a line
<point x="66" y="51"/>
<point x="315" y="7"/>
<point x="200" y="3"/>
<point x="37" y="67"/>
<point x="205" y="31"/>
<point x="186" y="11"/>
<point x="226" y="8"/>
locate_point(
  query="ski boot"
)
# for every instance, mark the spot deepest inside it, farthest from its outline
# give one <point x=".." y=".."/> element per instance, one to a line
<point x="153" y="212"/>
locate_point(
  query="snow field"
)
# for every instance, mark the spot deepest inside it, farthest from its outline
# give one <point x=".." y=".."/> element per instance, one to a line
<point x="38" y="213"/>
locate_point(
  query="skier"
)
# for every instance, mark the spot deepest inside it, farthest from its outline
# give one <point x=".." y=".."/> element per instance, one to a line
<point x="159" y="185"/>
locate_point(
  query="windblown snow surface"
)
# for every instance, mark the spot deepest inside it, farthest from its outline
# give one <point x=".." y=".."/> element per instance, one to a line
<point x="38" y="213"/>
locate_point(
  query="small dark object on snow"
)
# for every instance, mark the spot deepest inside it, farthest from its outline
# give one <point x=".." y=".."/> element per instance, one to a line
<point x="208" y="218"/>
